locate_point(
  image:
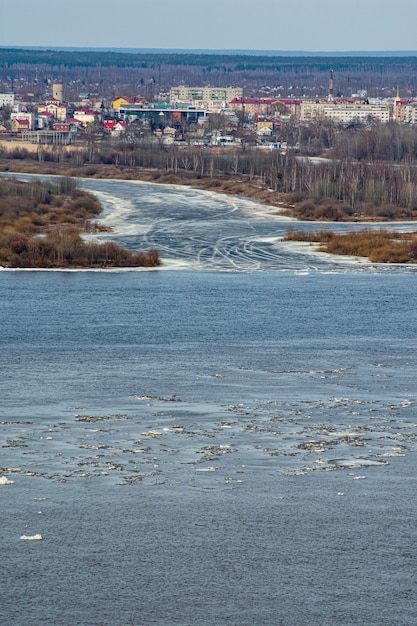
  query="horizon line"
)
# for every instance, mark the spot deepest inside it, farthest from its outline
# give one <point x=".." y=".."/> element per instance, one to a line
<point x="231" y="51"/>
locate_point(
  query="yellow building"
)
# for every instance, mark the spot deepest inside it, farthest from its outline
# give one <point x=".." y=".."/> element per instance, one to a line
<point x="58" y="110"/>
<point x="406" y="112"/>
<point x="120" y="102"/>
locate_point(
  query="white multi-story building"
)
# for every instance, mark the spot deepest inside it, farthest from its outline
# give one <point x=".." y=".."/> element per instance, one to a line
<point x="409" y="115"/>
<point x="212" y="99"/>
<point x="25" y="117"/>
<point x="20" y="113"/>
<point x="345" y="112"/>
<point x="6" y="99"/>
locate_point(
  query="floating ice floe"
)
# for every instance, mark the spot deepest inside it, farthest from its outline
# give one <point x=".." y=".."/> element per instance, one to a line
<point x="36" y="537"/>
<point x="5" y="481"/>
<point x="357" y="462"/>
<point x="144" y="398"/>
<point x="174" y="429"/>
<point x="152" y="433"/>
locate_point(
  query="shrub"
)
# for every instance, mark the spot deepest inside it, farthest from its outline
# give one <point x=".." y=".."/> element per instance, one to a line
<point x="296" y="196"/>
<point x="18" y="244"/>
<point x="390" y="253"/>
<point x="329" y="212"/>
<point x="412" y="249"/>
<point x="153" y="258"/>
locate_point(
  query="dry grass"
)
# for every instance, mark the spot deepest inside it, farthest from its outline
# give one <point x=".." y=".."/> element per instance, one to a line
<point x="379" y="246"/>
<point x="40" y="226"/>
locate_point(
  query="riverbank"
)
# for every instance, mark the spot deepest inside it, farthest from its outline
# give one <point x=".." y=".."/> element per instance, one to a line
<point x="329" y="188"/>
<point x="286" y="204"/>
<point x="232" y="185"/>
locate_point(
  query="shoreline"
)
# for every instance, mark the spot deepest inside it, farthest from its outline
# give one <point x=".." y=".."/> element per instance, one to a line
<point x="276" y="209"/>
<point x="229" y="185"/>
<point x="232" y="186"/>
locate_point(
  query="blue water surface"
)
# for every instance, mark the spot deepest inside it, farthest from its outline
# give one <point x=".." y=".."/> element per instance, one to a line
<point x="204" y="447"/>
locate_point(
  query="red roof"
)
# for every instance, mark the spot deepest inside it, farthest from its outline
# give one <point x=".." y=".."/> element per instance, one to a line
<point x="285" y="101"/>
<point x="252" y="101"/>
<point x="110" y="124"/>
<point x="87" y="112"/>
<point x="54" y="104"/>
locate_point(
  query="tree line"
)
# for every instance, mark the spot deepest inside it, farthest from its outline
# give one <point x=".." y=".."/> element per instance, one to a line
<point x="137" y="72"/>
<point x="372" y="141"/>
<point x="371" y="172"/>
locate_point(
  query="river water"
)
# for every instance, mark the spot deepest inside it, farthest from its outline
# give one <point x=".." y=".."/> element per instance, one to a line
<point x="230" y="439"/>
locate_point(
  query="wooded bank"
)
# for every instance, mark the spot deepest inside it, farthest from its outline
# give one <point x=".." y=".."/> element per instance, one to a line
<point x="329" y="190"/>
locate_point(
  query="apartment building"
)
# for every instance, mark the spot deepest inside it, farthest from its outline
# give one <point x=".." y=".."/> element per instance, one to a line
<point x="253" y="106"/>
<point x="213" y="99"/>
<point x="7" y="99"/>
<point x="405" y="111"/>
<point x="345" y="112"/>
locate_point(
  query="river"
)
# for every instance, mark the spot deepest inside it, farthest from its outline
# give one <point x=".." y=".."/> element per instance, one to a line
<point x="227" y="440"/>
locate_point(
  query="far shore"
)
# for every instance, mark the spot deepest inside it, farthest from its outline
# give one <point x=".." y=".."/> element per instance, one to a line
<point x="234" y="185"/>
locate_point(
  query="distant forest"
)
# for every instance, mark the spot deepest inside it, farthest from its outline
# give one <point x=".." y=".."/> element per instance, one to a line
<point x="147" y="73"/>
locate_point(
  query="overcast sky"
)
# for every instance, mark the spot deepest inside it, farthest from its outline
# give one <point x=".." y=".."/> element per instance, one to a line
<point x="310" y="25"/>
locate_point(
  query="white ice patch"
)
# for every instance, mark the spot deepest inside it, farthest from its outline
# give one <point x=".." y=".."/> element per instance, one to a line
<point x="37" y="537"/>
<point x="5" y="481"/>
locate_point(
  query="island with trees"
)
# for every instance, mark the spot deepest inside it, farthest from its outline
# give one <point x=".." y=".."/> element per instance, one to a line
<point x="41" y="226"/>
<point x="379" y="246"/>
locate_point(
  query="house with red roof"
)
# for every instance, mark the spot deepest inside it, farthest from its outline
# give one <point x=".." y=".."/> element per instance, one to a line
<point x="87" y="116"/>
<point x="19" y="125"/>
<point x="61" y="127"/>
<point x="22" y="115"/>
<point x="114" y="127"/>
<point x="73" y="122"/>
